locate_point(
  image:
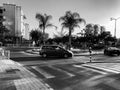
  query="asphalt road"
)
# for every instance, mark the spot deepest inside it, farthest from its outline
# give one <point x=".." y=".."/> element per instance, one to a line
<point x="71" y="73"/>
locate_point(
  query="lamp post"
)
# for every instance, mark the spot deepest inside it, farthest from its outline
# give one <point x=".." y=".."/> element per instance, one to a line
<point x="115" y="19"/>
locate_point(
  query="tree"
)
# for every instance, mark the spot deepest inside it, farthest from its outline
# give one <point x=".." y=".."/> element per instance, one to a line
<point x="3" y="32"/>
<point x="3" y="29"/>
<point x="71" y="20"/>
<point x="102" y="29"/>
<point x="96" y="29"/>
<point x="89" y="31"/>
<point x="44" y="23"/>
<point x="35" y="35"/>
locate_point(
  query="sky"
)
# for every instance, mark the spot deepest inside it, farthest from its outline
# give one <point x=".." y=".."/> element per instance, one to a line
<point x="93" y="11"/>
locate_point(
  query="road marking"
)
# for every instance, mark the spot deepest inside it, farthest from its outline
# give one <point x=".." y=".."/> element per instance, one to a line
<point x="58" y="69"/>
<point x="45" y="74"/>
<point x="93" y="80"/>
<point x="102" y="68"/>
<point x="29" y="53"/>
<point x="79" y="66"/>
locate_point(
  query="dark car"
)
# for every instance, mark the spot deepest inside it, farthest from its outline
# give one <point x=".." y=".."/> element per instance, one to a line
<point x="54" y="50"/>
<point x="112" y="51"/>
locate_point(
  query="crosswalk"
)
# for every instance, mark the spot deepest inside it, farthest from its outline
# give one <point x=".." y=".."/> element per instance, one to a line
<point x="72" y="74"/>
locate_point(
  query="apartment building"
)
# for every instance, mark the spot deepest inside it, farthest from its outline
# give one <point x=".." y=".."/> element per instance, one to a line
<point x="15" y="21"/>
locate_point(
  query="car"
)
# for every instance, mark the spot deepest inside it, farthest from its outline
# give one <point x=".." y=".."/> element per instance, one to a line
<point x="112" y="51"/>
<point x="54" y="50"/>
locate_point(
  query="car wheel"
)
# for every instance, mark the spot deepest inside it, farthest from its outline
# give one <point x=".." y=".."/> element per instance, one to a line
<point x="44" y="55"/>
<point x="65" y="56"/>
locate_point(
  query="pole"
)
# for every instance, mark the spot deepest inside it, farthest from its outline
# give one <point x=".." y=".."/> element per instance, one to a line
<point x="90" y="51"/>
<point x="115" y="28"/>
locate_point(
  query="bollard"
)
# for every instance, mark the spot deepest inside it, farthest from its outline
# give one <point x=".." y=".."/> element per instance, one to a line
<point x="7" y="54"/>
<point x="90" y="51"/>
<point x="90" y="58"/>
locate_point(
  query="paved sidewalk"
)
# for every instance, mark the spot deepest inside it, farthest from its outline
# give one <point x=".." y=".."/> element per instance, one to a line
<point x="13" y="76"/>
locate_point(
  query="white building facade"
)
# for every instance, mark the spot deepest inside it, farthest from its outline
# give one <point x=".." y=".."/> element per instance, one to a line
<point x="15" y="20"/>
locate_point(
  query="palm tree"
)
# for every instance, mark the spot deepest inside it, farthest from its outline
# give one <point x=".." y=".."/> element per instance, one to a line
<point x="71" y="20"/>
<point x="44" y="23"/>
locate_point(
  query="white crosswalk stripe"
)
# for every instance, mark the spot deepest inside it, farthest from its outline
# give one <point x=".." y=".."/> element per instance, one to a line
<point x="79" y="66"/>
<point x="111" y="68"/>
<point x="45" y="74"/>
<point x="67" y="73"/>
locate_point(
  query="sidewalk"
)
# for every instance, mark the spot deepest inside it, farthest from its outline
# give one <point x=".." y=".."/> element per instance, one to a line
<point x="13" y="76"/>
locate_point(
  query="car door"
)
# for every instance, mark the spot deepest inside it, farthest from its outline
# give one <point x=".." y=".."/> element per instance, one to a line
<point x="59" y="51"/>
<point x="50" y="51"/>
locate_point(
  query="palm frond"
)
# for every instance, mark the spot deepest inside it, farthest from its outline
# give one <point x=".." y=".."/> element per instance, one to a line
<point x="82" y="20"/>
<point x="41" y="26"/>
<point x="62" y="18"/>
<point x="39" y="17"/>
<point x="47" y="18"/>
<point x="76" y="15"/>
<point x="51" y="25"/>
<point x="63" y="27"/>
<point x="68" y="13"/>
<point x="77" y="25"/>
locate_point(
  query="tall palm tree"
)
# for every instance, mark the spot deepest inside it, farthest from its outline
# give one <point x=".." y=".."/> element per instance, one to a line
<point x="44" y="22"/>
<point x="71" y="20"/>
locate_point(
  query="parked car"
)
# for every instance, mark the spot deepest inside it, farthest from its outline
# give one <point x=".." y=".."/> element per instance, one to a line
<point x="54" y="50"/>
<point x="112" y="51"/>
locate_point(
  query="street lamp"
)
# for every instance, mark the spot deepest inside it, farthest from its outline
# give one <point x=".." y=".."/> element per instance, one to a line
<point x="115" y="19"/>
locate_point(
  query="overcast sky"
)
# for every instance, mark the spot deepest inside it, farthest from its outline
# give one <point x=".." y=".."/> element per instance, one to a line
<point x="93" y="11"/>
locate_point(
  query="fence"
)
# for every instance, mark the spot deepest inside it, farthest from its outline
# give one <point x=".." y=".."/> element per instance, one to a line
<point x="4" y="54"/>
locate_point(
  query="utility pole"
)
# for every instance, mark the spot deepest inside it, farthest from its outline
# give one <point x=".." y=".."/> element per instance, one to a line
<point x="115" y="19"/>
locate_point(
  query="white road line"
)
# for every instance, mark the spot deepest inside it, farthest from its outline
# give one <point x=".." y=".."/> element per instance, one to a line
<point x="47" y="75"/>
<point x="69" y="74"/>
<point x="29" y="53"/>
<point x="102" y="68"/>
<point x="79" y="66"/>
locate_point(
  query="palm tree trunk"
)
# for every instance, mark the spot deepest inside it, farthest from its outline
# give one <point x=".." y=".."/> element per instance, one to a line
<point x="69" y="45"/>
<point x="44" y="36"/>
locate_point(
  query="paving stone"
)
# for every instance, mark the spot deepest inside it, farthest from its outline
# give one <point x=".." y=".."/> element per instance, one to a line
<point x="13" y="76"/>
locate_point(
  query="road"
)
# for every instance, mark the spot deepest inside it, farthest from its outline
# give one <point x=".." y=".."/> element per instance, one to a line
<point x="72" y="73"/>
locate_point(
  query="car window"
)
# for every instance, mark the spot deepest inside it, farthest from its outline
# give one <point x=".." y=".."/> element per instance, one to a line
<point x="46" y="47"/>
<point x="112" y="48"/>
<point x="49" y="47"/>
<point x="57" y="48"/>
